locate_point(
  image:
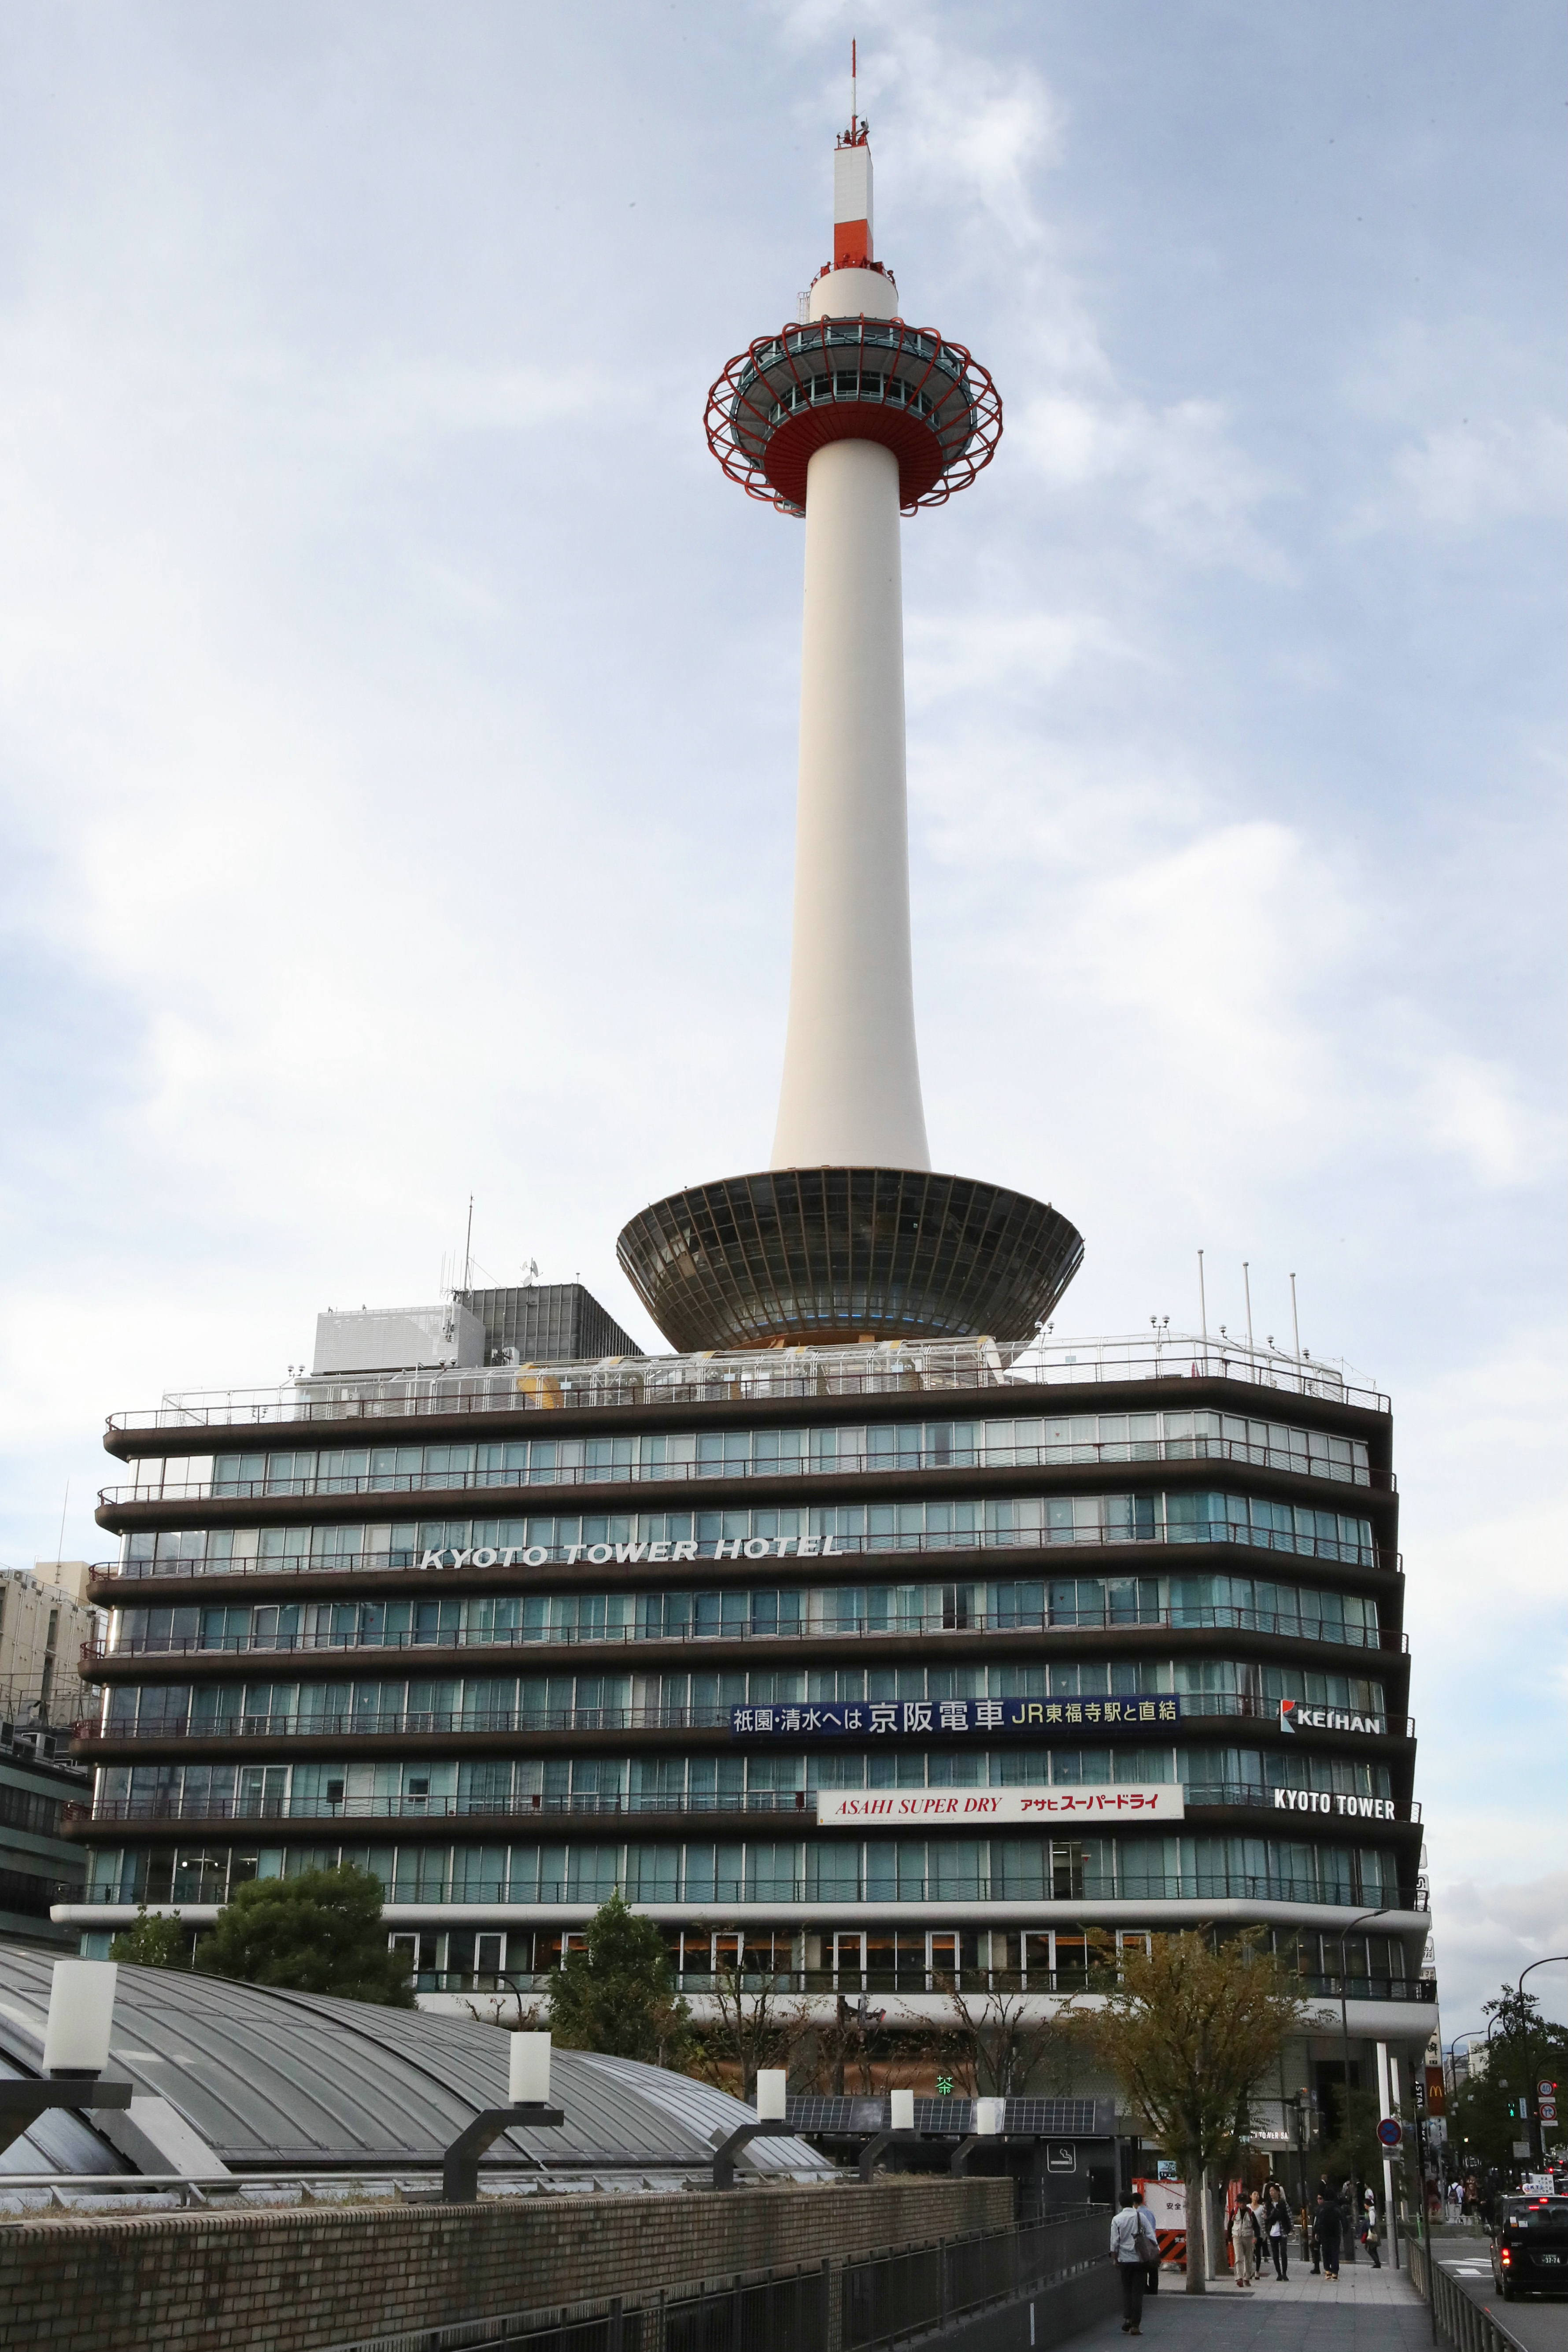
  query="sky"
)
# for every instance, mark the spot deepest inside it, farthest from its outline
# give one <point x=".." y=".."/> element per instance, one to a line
<point x="397" y="706"/>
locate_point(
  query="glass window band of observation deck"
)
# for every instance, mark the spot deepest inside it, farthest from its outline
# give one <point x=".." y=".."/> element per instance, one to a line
<point x="929" y="400"/>
<point x="825" y="1870"/>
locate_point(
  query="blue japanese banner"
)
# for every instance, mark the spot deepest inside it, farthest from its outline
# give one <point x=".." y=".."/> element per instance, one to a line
<point x="900" y="1718"/>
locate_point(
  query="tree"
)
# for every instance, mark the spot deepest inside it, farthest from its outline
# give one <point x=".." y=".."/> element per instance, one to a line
<point x="1189" y="2030"/>
<point x="1522" y="2049"/>
<point x="999" y="2043"/>
<point x="318" y="1932"/>
<point x="157" y="1940"/>
<point x="618" y="1995"/>
<point x="755" y="2024"/>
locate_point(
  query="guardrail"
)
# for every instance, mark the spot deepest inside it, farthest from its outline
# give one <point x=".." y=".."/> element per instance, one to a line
<point x="1193" y="1886"/>
<point x="1110" y="1452"/>
<point x="1196" y="1704"/>
<point x="888" y="1369"/>
<point x="1454" y="2318"/>
<point x="1217" y="1617"/>
<point x="530" y="1807"/>
<point x="1216" y="1532"/>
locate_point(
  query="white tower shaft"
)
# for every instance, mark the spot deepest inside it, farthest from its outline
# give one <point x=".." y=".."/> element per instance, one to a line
<point x="851" y="1093"/>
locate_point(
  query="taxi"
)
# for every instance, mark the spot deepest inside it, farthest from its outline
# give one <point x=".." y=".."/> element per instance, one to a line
<point x="1529" y="2246"/>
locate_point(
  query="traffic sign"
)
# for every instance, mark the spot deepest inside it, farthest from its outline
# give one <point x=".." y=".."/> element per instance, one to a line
<point x="1390" y="2132"/>
<point x="1546" y="2089"/>
<point x="1548" y="2110"/>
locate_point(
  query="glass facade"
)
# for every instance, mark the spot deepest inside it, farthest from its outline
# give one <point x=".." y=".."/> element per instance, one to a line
<point x="507" y="1706"/>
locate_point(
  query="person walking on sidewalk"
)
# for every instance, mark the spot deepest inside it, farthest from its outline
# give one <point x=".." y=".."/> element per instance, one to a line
<point x="1276" y="2230"/>
<point x="1331" y="2231"/>
<point x="1132" y="2249"/>
<point x="1244" y="2244"/>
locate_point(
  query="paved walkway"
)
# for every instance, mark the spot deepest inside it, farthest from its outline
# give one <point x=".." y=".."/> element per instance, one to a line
<point x="1368" y="2311"/>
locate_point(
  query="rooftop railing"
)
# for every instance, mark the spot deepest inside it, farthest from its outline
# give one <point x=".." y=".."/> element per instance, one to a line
<point x="422" y="1722"/>
<point x="886" y="1368"/>
<point x="795" y="1803"/>
<point x="1290" y="1626"/>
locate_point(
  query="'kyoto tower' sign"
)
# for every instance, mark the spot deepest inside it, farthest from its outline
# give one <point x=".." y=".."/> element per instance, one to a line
<point x="850" y="418"/>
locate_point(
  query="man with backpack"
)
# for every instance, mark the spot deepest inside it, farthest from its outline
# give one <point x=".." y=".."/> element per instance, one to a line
<point x="1133" y="2246"/>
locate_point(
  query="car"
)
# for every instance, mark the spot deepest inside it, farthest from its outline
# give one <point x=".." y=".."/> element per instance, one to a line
<point x="1529" y="2246"/>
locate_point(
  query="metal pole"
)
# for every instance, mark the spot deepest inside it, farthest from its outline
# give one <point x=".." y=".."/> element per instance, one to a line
<point x="1295" y="1320"/>
<point x="1536" y="2131"/>
<point x="1202" y="1309"/>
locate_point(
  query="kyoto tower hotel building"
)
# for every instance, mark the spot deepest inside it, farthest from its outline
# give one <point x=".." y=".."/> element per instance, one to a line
<point x="875" y="1636"/>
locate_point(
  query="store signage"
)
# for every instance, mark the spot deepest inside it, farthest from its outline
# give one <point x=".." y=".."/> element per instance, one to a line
<point x="895" y="1808"/>
<point x="900" y="1718"/>
<point x="1321" y="1801"/>
<point x="1295" y="1715"/>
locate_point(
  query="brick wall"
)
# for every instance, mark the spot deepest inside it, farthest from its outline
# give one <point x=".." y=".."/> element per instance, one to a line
<point x="300" y="2280"/>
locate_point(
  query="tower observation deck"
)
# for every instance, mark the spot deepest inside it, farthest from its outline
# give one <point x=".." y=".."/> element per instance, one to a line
<point x="850" y="418"/>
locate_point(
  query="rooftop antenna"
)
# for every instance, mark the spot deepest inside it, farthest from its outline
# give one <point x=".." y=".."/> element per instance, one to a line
<point x="1246" y="1279"/>
<point x="1203" y="1300"/>
<point x="854" y="96"/>
<point x="469" y="1242"/>
<point x="1295" y="1324"/>
<point x="60" y="1547"/>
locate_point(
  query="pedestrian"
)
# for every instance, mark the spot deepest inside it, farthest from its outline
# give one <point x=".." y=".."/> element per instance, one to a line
<point x="1369" y="2237"/>
<point x="1456" y="2204"/>
<point x="1244" y="2244"/>
<point x="1276" y="2230"/>
<point x="1255" y="2204"/>
<point x="1329" y="2222"/>
<point x="1133" y="2248"/>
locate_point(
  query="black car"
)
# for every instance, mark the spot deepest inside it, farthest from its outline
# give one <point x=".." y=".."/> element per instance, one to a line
<point x="1529" y="2246"/>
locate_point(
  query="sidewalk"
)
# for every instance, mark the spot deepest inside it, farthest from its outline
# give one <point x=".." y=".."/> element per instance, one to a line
<point x="1368" y="2311"/>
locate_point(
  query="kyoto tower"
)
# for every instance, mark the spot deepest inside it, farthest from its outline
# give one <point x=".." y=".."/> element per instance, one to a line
<point x="851" y="419"/>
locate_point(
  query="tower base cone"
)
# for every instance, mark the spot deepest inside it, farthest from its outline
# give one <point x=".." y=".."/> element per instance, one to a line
<point x="824" y="1256"/>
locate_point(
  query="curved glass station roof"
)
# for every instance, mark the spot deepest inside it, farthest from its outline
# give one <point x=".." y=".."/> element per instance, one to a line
<point x="275" y="2081"/>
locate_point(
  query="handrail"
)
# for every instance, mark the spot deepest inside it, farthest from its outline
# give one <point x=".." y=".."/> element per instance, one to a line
<point x="1193" y="1887"/>
<point x="1221" y="1616"/>
<point x="422" y="1722"/>
<point x="1098" y="1454"/>
<point x="531" y="1807"/>
<point x="1216" y="1533"/>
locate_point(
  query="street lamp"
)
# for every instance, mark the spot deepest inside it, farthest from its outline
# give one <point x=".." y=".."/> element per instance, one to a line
<point x="76" y="2050"/>
<point x="1345" y="2055"/>
<point x="1552" y="1960"/>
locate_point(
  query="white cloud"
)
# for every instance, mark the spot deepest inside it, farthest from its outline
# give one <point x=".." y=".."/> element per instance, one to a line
<point x="1487" y="1933"/>
<point x="1471" y="477"/>
<point x="1178" y="472"/>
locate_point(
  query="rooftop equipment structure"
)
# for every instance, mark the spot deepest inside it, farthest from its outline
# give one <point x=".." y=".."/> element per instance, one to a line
<point x="851" y="418"/>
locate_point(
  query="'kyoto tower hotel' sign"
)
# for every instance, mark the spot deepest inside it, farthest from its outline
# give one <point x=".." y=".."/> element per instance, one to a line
<point x="850" y="418"/>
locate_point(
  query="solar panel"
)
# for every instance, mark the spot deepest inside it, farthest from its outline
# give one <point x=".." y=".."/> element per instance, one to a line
<point x="1030" y="2118"/>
